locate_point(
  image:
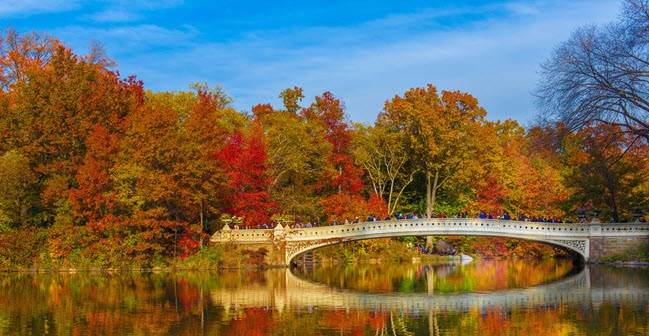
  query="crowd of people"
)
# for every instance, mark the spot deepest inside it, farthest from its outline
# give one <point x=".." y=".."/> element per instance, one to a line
<point x="415" y="215"/>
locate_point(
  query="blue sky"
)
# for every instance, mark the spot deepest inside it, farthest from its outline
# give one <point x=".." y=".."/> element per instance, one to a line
<point x="364" y="52"/>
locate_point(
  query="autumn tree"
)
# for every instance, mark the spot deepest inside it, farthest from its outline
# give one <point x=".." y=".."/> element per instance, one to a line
<point x="383" y="155"/>
<point x="500" y="151"/>
<point x="20" y="52"/>
<point x="538" y="186"/>
<point x="341" y="184"/>
<point x="93" y="197"/>
<point x="15" y="190"/>
<point x="51" y="109"/>
<point x="297" y="155"/>
<point x="291" y="99"/>
<point x="440" y="133"/>
<point x="248" y="179"/>
<point x="607" y="171"/>
<point x="203" y="178"/>
<point x="168" y="178"/>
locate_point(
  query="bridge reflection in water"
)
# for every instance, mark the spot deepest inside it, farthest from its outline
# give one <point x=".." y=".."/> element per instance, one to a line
<point x="284" y="290"/>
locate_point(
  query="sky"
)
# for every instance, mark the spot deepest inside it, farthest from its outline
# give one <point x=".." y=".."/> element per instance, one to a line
<point x="364" y="52"/>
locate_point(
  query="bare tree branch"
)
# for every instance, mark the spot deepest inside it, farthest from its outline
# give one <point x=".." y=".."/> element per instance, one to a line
<point x="601" y="74"/>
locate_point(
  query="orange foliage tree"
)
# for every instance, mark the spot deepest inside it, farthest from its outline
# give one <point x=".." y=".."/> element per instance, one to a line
<point x="441" y="134"/>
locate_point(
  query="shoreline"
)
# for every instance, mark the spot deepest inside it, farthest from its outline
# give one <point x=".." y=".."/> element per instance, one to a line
<point x="618" y="263"/>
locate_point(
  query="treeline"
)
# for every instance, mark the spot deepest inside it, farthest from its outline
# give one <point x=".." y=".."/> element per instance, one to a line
<point x="96" y="170"/>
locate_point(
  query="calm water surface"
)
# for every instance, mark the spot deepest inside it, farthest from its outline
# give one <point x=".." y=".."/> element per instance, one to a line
<point x="479" y="298"/>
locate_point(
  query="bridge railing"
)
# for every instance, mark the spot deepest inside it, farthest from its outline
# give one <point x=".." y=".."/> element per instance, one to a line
<point x="436" y="226"/>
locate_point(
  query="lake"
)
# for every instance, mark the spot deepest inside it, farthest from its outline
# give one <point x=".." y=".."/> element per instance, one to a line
<point x="521" y="297"/>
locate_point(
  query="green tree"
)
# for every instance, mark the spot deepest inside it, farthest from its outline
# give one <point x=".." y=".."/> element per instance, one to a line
<point x="15" y="196"/>
<point x="297" y="156"/>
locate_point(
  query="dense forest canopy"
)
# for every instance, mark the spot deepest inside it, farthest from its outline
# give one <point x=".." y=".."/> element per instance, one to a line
<point x="95" y="166"/>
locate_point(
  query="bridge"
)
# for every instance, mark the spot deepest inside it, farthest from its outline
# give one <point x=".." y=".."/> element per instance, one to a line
<point x="589" y="241"/>
<point x="283" y="290"/>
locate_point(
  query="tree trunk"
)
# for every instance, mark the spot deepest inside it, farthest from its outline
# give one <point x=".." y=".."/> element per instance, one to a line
<point x="428" y="194"/>
<point x="200" y="232"/>
<point x="433" y="197"/>
<point x="340" y="173"/>
<point x="431" y="194"/>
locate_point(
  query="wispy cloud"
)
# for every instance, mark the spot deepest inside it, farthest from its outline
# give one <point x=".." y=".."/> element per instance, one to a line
<point x="492" y="51"/>
<point x="29" y="7"/>
<point x="522" y="8"/>
<point x="149" y="4"/>
<point x="115" y="15"/>
<point x="128" y="40"/>
<point x="494" y="59"/>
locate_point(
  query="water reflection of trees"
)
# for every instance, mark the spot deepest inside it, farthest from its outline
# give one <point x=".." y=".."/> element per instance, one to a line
<point x="93" y="304"/>
<point x="183" y="304"/>
<point x="441" y="277"/>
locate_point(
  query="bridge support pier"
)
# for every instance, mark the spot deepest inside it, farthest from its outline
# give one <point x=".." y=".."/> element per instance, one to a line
<point x="602" y="247"/>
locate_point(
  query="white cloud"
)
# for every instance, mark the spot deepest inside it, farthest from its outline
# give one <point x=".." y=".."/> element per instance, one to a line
<point x="494" y="58"/>
<point x="150" y="4"/>
<point x="127" y="40"/>
<point x="27" y="7"/>
<point x="115" y="15"/>
<point x="522" y="9"/>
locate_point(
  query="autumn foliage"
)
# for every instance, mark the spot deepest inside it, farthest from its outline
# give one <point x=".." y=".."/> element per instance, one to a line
<point x="106" y="173"/>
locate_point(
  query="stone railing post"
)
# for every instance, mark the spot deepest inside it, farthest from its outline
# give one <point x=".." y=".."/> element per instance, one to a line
<point x="278" y="232"/>
<point x="226" y="232"/>
<point x="595" y="229"/>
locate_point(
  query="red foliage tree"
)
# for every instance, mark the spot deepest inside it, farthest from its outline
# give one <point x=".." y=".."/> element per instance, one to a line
<point x="245" y="158"/>
<point x="93" y="198"/>
<point x="344" y="177"/>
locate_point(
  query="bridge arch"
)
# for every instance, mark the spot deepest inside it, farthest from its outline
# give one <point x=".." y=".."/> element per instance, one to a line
<point x="577" y="248"/>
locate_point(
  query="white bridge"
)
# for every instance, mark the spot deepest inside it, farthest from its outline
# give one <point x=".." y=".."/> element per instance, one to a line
<point x="586" y="239"/>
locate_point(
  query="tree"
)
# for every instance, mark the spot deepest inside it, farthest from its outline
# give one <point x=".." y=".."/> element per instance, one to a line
<point x="340" y="185"/>
<point x="297" y="156"/>
<point x="15" y="196"/>
<point x="94" y="196"/>
<point x="440" y="133"/>
<point x="601" y="74"/>
<point x="50" y="108"/>
<point x="202" y="176"/>
<point x="608" y="171"/>
<point x="19" y="52"/>
<point x="382" y="154"/>
<point x="538" y="182"/>
<point x="291" y="99"/>
<point x="248" y="180"/>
